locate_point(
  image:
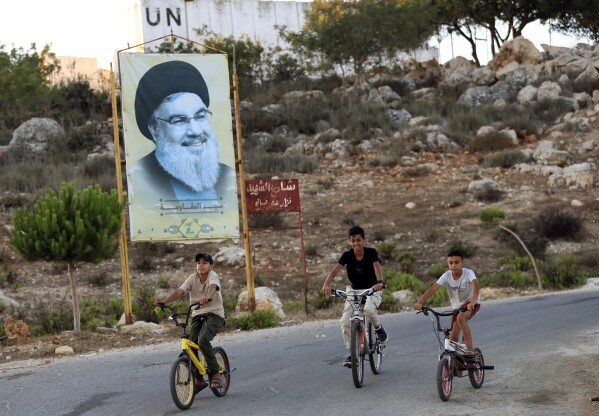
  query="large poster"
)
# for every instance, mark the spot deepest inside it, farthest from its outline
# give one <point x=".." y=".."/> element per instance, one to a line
<point x="180" y="160"/>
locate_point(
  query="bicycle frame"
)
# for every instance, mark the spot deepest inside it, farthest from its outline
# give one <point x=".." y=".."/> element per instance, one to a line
<point x="357" y="301"/>
<point x="187" y="345"/>
<point x="447" y="347"/>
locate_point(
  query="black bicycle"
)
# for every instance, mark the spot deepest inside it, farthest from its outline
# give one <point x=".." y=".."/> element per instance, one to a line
<point x="452" y="361"/>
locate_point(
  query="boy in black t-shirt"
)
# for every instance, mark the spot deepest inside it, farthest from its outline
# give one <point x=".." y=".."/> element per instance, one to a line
<point x="364" y="271"/>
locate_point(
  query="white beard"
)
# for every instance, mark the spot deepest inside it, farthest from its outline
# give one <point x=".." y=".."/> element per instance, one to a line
<point x="197" y="167"/>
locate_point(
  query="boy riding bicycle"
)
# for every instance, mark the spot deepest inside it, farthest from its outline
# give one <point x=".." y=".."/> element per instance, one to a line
<point x="203" y="286"/>
<point x="462" y="288"/>
<point x="364" y="271"/>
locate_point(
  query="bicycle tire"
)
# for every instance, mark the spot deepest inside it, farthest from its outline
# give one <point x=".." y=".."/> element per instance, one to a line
<point x="357" y="354"/>
<point x="376" y="353"/>
<point x="223" y="359"/>
<point x="444" y="379"/>
<point x="477" y="376"/>
<point x="182" y="383"/>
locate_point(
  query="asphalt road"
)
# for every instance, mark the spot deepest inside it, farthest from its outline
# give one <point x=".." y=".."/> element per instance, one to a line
<point x="297" y="370"/>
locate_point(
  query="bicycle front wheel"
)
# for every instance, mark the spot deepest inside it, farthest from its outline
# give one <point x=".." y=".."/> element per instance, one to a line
<point x="225" y="372"/>
<point x="182" y="383"/>
<point x="477" y="374"/>
<point x="444" y="379"/>
<point x="376" y="351"/>
<point x="357" y="353"/>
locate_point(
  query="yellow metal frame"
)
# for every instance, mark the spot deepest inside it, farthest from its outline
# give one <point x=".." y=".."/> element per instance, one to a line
<point x="245" y="234"/>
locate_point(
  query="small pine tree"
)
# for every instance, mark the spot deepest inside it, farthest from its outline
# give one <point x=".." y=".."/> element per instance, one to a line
<point x="71" y="227"/>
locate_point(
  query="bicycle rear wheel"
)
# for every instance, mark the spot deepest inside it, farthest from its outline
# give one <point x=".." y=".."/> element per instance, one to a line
<point x="182" y="381"/>
<point x="444" y="379"/>
<point x="225" y="373"/>
<point x="357" y="353"/>
<point x="477" y="374"/>
<point x="376" y="352"/>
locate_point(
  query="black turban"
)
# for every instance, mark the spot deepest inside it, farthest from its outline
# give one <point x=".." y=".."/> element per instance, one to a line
<point x="161" y="81"/>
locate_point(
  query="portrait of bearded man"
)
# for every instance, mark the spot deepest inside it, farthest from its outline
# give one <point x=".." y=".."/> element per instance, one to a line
<point x="171" y="109"/>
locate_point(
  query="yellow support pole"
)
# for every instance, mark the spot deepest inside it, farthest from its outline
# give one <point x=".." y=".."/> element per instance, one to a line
<point x="244" y="216"/>
<point x="119" y="186"/>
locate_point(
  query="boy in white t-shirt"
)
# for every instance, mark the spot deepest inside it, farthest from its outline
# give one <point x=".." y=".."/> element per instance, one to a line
<point x="462" y="288"/>
<point x="206" y="322"/>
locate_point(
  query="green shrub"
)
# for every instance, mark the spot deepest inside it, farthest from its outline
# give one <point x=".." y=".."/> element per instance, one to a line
<point x="357" y="119"/>
<point x="508" y="278"/>
<point x="439" y="298"/>
<point x="562" y="273"/>
<point x="259" y="162"/>
<point x="437" y="269"/>
<point x="488" y="195"/>
<point x="164" y="282"/>
<point x="403" y="281"/>
<point x="549" y="111"/>
<point x="386" y="249"/>
<point x="143" y="304"/>
<point x="417" y="171"/>
<point x="254" y="320"/>
<point x="100" y="278"/>
<point x="505" y="159"/>
<point x="468" y="249"/>
<point x="311" y="250"/>
<point x="520" y="263"/>
<point x="491" y="215"/>
<point x="293" y="306"/>
<point x="490" y="142"/>
<point x="559" y="223"/>
<point x="8" y="277"/>
<point x="50" y="319"/>
<point x="388" y="302"/>
<point x="303" y="115"/>
<point x="406" y="260"/>
<point x="11" y="200"/>
<point x="318" y="300"/>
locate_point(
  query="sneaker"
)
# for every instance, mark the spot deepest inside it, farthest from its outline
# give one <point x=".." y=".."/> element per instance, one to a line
<point x="469" y="354"/>
<point x="347" y="362"/>
<point x="381" y="334"/>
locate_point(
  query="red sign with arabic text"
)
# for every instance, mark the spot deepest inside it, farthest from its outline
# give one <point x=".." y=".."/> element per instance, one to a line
<point x="272" y="195"/>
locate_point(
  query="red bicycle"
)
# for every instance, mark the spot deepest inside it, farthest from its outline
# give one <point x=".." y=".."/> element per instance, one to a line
<point x="452" y="361"/>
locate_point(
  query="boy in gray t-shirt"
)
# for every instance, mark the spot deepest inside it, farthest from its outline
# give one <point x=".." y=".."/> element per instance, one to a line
<point x="462" y="288"/>
<point x="203" y="286"/>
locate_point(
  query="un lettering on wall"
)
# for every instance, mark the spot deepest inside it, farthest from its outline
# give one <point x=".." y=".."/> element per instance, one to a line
<point x="180" y="160"/>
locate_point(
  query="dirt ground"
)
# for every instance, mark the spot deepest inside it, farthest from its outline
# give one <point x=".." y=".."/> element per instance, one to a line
<point x="339" y="194"/>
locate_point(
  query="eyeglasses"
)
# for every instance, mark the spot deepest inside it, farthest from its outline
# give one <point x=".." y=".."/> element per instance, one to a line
<point x="182" y="121"/>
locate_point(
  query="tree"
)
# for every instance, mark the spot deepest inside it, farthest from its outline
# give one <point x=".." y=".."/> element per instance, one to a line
<point x="71" y="227"/>
<point x="580" y="19"/>
<point x="247" y="53"/>
<point x="505" y="19"/>
<point x="358" y="33"/>
<point x="24" y="86"/>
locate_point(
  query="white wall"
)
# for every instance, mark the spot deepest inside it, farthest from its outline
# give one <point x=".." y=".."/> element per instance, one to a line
<point x="253" y="18"/>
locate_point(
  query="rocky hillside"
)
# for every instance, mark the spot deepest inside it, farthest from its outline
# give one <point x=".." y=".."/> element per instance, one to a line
<point x="416" y="188"/>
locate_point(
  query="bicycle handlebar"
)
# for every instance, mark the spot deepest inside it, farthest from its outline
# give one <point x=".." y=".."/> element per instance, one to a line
<point x="425" y="310"/>
<point x="366" y="292"/>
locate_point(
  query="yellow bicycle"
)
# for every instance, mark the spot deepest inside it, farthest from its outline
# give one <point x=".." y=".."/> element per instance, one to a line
<point x="190" y="366"/>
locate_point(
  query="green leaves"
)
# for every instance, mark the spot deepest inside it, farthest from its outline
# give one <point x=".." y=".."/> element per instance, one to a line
<point x="69" y="227"/>
<point x="362" y="33"/>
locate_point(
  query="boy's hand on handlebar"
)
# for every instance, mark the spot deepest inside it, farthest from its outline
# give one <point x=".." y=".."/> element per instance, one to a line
<point x="204" y="300"/>
<point x="326" y="289"/>
<point x="378" y="286"/>
<point x="417" y="306"/>
<point x="158" y="303"/>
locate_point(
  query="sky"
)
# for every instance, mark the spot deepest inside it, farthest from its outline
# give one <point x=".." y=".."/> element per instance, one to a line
<point x="81" y="28"/>
<point x="97" y="29"/>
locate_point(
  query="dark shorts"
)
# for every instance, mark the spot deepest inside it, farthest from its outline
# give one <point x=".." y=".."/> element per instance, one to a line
<point x="473" y="311"/>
